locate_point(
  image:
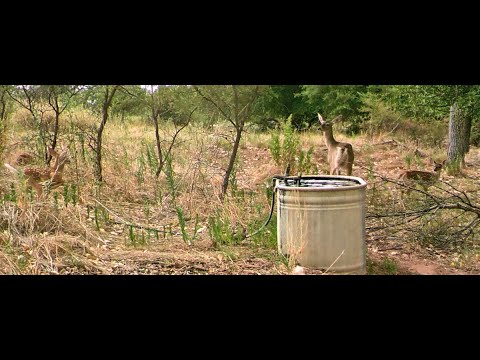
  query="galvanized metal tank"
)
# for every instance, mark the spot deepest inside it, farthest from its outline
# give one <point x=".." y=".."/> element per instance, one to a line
<point x="321" y="222"/>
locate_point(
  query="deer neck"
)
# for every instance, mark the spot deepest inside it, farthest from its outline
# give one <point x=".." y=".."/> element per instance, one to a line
<point x="58" y="172"/>
<point x="329" y="139"/>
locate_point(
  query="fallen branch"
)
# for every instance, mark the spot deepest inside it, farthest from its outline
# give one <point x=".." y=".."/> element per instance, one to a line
<point x="121" y="221"/>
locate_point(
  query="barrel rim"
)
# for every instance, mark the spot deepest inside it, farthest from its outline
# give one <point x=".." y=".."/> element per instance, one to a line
<point x="361" y="183"/>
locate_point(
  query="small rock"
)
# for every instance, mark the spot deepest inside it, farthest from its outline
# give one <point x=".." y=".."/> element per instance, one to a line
<point x="298" y="270"/>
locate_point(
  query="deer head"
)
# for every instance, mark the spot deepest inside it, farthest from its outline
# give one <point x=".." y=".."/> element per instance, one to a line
<point x="328" y="124"/>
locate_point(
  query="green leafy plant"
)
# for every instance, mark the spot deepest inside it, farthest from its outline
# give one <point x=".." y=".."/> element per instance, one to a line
<point x="285" y="147"/>
<point x="140" y="173"/>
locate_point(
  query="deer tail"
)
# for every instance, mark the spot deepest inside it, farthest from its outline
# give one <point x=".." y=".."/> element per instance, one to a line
<point x="11" y="168"/>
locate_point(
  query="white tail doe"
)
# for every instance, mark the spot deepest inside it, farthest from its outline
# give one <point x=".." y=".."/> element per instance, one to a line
<point x="340" y="154"/>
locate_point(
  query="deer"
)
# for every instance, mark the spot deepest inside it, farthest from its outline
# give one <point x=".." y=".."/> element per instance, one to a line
<point x="24" y="159"/>
<point x="423" y="178"/>
<point x="340" y="154"/>
<point x="39" y="176"/>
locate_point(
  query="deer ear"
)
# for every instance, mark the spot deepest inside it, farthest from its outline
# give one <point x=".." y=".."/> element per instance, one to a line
<point x="444" y="162"/>
<point x="338" y="118"/>
<point x="321" y="119"/>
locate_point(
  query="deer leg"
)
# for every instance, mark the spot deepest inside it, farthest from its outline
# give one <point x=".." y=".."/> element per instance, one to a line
<point x="349" y="170"/>
<point x="36" y="186"/>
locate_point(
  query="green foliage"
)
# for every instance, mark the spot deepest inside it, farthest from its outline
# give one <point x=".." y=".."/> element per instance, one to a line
<point x="285" y="149"/>
<point x="381" y="118"/>
<point x="172" y="103"/>
<point x="140" y="173"/>
<point x="432" y="102"/>
<point x="385" y="267"/>
<point x="408" y="160"/>
<point x="429" y="101"/>
<point x="96" y="217"/>
<point x="170" y="174"/>
<point x="74" y="194"/>
<point x="279" y="102"/>
<point x="475" y="134"/>
<point x="12" y="195"/>
<point x="136" y="237"/>
<point x="182" y="222"/>
<point x="195" y="227"/>
<point x="334" y="100"/>
<point x="152" y="159"/>
<point x="266" y="238"/>
<point x="129" y="101"/>
<point x="305" y="165"/>
<point x="220" y="230"/>
<point x="275" y="147"/>
<point x="5" y="111"/>
<point x="454" y="168"/>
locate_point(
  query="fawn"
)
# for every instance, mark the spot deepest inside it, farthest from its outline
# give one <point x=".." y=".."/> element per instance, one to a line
<point x="38" y="176"/>
<point x="340" y="154"/>
<point x="24" y="159"/>
<point x="423" y="178"/>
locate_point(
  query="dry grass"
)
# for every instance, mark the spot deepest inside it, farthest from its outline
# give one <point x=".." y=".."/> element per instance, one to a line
<point x="52" y="237"/>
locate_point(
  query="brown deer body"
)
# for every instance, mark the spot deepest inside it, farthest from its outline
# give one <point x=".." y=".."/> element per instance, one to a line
<point x="423" y="178"/>
<point x="340" y="154"/>
<point x="37" y="175"/>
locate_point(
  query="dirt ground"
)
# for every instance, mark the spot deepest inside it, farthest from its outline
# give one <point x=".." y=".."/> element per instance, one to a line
<point x="171" y="255"/>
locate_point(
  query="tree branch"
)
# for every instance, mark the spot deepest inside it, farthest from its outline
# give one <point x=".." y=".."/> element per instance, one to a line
<point x="227" y="117"/>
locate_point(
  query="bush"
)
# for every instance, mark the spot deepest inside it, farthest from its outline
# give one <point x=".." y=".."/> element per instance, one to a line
<point x="428" y="132"/>
<point x="285" y="149"/>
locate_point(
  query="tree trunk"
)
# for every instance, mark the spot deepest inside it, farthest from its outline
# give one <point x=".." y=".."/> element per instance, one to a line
<point x="231" y="162"/>
<point x="55" y="133"/>
<point x="3" y="117"/>
<point x="159" y="146"/>
<point x="98" y="161"/>
<point x="3" y="107"/>
<point x="56" y="108"/>
<point x="458" y="136"/>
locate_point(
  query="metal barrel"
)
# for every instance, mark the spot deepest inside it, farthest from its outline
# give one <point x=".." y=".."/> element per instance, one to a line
<point x="321" y="222"/>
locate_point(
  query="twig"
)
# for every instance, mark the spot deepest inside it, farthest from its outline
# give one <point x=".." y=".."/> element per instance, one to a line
<point x="123" y="222"/>
<point x="334" y="262"/>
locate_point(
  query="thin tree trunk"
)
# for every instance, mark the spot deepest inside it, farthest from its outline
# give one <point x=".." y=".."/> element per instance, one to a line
<point x="240" y="115"/>
<point x="55" y="133"/>
<point x="98" y="162"/>
<point x="57" y="117"/>
<point x="159" y="146"/>
<point x="3" y="109"/>
<point x="3" y="116"/>
<point x="231" y="162"/>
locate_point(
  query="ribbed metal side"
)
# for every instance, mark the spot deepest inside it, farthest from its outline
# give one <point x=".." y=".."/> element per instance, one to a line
<point x="321" y="222"/>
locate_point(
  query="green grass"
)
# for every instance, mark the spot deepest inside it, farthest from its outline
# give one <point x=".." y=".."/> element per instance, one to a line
<point x="385" y="267"/>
